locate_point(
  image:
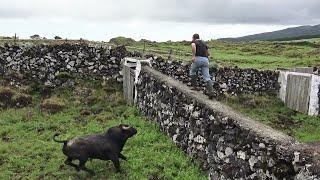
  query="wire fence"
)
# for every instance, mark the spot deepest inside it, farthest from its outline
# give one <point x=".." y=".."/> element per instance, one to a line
<point x="171" y="54"/>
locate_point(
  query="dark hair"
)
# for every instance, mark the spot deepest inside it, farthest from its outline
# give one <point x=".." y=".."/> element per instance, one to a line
<point x="196" y="36"/>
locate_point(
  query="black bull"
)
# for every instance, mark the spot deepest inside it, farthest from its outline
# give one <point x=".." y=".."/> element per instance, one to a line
<point x="106" y="146"/>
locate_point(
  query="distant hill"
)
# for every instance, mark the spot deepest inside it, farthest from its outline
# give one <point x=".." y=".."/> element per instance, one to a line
<point x="122" y="41"/>
<point x="285" y="34"/>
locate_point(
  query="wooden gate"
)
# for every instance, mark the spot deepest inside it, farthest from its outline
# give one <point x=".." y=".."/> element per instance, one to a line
<point x="298" y="92"/>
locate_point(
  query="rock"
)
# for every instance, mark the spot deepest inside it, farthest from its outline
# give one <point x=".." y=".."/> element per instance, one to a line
<point x="71" y="63"/>
<point x="228" y="151"/>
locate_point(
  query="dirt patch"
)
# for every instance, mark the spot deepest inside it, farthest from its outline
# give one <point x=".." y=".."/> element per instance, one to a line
<point x="91" y="100"/>
<point x="82" y="92"/>
<point x="253" y="101"/>
<point x="85" y="112"/>
<point x="5" y="137"/>
<point x="27" y="116"/>
<point x="286" y="122"/>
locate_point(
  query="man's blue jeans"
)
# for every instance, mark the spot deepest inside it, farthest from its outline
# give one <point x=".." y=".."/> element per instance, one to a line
<point x="203" y="63"/>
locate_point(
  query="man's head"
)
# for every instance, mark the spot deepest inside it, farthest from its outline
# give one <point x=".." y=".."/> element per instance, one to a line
<point x="195" y="37"/>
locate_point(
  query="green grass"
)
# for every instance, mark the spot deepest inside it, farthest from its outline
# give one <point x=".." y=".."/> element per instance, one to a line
<point x="28" y="152"/>
<point x="261" y="55"/>
<point x="272" y="112"/>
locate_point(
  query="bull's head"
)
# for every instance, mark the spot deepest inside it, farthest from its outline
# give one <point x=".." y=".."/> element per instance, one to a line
<point x="127" y="130"/>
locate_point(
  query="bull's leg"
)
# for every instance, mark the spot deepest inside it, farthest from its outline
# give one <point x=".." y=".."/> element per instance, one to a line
<point x="122" y="157"/>
<point x="82" y="165"/>
<point x="116" y="163"/>
<point x="68" y="162"/>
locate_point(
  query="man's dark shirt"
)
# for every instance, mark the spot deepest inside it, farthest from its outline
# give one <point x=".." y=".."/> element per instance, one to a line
<point x="201" y="48"/>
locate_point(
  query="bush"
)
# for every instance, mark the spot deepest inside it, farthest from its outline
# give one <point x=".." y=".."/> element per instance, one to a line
<point x="52" y="105"/>
<point x="63" y="75"/>
<point x="57" y="37"/>
<point x="122" y="41"/>
<point x="6" y="93"/>
<point x="293" y="54"/>
<point x="21" y="100"/>
<point x="5" y="96"/>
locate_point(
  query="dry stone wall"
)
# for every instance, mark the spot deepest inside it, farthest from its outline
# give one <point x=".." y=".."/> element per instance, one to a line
<point x="53" y="64"/>
<point x="232" y="81"/>
<point x="319" y="99"/>
<point x="228" y="144"/>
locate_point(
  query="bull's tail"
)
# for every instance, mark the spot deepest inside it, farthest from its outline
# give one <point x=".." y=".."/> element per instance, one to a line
<point x="59" y="141"/>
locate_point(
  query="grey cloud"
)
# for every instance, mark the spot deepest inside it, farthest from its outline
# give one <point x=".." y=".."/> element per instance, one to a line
<point x="243" y="11"/>
<point x="285" y="12"/>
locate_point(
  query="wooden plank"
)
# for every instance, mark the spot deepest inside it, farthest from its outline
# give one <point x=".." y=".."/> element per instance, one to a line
<point x="125" y="82"/>
<point x="298" y="92"/>
<point x="130" y="91"/>
<point x="128" y="84"/>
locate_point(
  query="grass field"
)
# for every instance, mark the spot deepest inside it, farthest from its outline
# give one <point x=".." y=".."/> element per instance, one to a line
<point x="261" y="55"/>
<point x="272" y="112"/>
<point x="28" y="152"/>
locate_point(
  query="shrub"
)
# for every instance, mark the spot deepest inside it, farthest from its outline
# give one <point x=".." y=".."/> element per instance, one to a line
<point x="6" y="94"/>
<point x="21" y="100"/>
<point x="52" y="105"/>
<point x="63" y="75"/>
<point x="122" y="41"/>
<point x="293" y="54"/>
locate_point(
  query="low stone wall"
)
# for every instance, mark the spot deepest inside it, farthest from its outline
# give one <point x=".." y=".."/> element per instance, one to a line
<point x="52" y="64"/>
<point x="232" y="81"/>
<point x="319" y="99"/>
<point x="228" y="144"/>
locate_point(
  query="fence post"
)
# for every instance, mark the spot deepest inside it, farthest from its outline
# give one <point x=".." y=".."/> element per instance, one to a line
<point x="170" y="53"/>
<point x="15" y="38"/>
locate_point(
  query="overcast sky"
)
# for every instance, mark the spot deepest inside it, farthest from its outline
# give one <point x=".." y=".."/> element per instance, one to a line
<point x="150" y="19"/>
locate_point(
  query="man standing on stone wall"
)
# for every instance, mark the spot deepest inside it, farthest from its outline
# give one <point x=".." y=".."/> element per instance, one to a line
<point x="200" y="60"/>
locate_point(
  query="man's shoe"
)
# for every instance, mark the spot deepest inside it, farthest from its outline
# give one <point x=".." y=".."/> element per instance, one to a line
<point x="194" y="82"/>
<point x="209" y="89"/>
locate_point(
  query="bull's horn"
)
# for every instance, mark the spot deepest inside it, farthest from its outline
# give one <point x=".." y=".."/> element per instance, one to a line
<point x="125" y="127"/>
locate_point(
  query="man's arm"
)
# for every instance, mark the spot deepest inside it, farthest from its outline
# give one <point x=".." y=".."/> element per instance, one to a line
<point x="207" y="51"/>
<point x="194" y="50"/>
